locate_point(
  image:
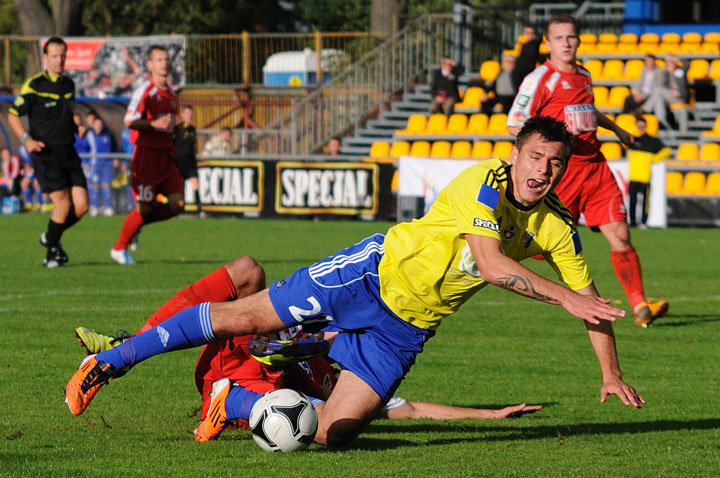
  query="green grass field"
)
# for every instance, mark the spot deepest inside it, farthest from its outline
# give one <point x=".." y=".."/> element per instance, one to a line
<point x="500" y="349"/>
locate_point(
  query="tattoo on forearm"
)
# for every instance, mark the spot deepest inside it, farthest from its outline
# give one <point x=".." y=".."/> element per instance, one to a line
<point x="523" y="286"/>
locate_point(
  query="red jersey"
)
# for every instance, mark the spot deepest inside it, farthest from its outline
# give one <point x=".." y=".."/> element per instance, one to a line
<point x="567" y="97"/>
<point x="150" y="102"/>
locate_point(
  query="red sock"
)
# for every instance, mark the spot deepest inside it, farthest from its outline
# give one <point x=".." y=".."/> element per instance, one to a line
<point x="627" y="269"/>
<point x="214" y="287"/>
<point x="132" y="224"/>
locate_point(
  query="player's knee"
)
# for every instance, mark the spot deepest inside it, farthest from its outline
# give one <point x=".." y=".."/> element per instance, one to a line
<point x="81" y="209"/>
<point x="338" y="433"/>
<point x="247" y="275"/>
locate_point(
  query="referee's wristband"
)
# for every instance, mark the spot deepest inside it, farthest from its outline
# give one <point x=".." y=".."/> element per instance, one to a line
<point x="25" y="137"/>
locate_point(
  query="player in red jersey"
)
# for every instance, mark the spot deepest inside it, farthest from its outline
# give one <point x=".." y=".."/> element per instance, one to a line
<point x="230" y="358"/>
<point x="563" y="89"/>
<point x="151" y="119"/>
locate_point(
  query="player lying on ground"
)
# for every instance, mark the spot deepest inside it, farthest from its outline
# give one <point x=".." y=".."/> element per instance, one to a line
<point x="282" y="363"/>
<point x="386" y="295"/>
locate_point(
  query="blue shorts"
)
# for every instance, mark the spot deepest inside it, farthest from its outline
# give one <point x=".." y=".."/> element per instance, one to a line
<point x="344" y="290"/>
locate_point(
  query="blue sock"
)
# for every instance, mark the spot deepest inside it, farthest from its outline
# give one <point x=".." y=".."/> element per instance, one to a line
<point x="189" y="328"/>
<point x="27" y="196"/>
<point x="239" y="402"/>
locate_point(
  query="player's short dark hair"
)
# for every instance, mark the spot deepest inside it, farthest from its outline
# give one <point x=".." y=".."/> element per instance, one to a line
<point x="563" y="18"/>
<point x="188" y="107"/>
<point x="550" y="129"/>
<point x="153" y="48"/>
<point x="56" y="41"/>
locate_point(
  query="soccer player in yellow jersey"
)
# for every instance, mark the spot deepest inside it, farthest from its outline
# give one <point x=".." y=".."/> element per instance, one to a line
<point x="386" y="295"/>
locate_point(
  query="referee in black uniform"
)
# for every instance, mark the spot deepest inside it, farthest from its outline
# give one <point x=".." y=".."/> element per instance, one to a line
<point x="185" y="140"/>
<point x="48" y="100"/>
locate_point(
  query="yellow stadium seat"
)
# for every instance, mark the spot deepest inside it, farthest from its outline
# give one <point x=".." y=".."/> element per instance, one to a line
<point x="612" y="70"/>
<point x="395" y="182"/>
<point x="436" y="124"/>
<point x="457" y="124"/>
<point x="482" y="149"/>
<point x="648" y="43"/>
<point x="612" y="151"/>
<point x="489" y="70"/>
<point x="440" y="149"/>
<point x="605" y="132"/>
<point x="691" y="43"/>
<point x="543" y="50"/>
<point x="653" y="125"/>
<point x="594" y="67"/>
<point x="498" y="124"/>
<point x="715" y="131"/>
<point x="477" y="124"/>
<point x="607" y="43"/>
<point x="694" y="183"/>
<point x="617" y="95"/>
<point x="627" y="122"/>
<point x="415" y="125"/>
<point x="588" y="41"/>
<point x="712" y="186"/>
<point x="471" y="98"/>
<point x="698" y="70"/>
<point x="669" y="43"/>
<point x="711" y="43"/>
<point x="710" y="152"/>
<point x="673" y="182"/>
<point x="461" y="149"/>
<point x="627" y="43"/>
<point x="601" y="96"/>
<point x="380" y="149"/>
<point x="715" y="69"/>
<point x="420" y="149"/>
<point x="633" y="69"/>
<point x="501" y="149"/>
<point x="687" y="152"/>
<point x="400" y="148"/>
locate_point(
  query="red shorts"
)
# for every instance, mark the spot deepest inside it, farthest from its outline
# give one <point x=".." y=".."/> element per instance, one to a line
<point x="154" y="172"/>
<point x="589" y="187"/>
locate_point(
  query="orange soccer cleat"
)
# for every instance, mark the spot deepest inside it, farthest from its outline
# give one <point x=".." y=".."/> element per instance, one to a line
<point x="86" y="382"/>
<point x="216" y="419"/>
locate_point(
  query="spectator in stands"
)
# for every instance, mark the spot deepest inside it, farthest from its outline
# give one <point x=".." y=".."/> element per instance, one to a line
<point x="678" y="80"/>
<point x="652" y="94"/>
<point x="33" y="197"/>
<point x="11" y="172"/>
<point x="101" y="170"/>
<point x="528" y="57"/>
<point x="121" y="171"/>
<point x="219" y="145"/>
<point x="185" y="140"/>
<point x="444" y="87"/>
<point x="644" y="151"/>
<point x="81" y="144"/>
<point x="503" y="88"/>
<point x="333" y="146"/>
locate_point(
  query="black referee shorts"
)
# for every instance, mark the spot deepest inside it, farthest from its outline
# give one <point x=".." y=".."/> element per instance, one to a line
<point x="58" y="167"/>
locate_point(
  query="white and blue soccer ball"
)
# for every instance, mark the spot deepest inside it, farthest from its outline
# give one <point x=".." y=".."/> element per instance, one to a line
<point x="283" y="420"/>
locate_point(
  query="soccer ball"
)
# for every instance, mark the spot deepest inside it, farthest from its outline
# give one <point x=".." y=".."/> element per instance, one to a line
<point x="283" y="420"/>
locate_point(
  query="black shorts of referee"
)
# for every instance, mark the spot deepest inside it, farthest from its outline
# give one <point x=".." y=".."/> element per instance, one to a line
<point x="58" y="167"/>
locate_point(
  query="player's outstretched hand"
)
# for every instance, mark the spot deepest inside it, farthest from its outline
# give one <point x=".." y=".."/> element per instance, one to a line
<point x="625" y="392"/>
<point x="592" y="309"/>
<point x="517" y="411"/>
<point x="625" y="138"/>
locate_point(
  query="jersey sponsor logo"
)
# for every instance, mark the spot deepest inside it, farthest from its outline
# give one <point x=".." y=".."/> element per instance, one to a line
<point x="485" y="224"/>
<point x="523" y="100"/>
<point x="163" y="335"/>
<point x="510" y="232"/>
<point x="467" y="263"/>
<point x="580" y="118"/>
<point x="50" y="104"/>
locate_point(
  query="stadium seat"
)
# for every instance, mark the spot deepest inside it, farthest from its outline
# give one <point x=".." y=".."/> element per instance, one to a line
<point x="617" y="95"/>
<point x="436" y="124"/>
<point x="471" y="98"/>
<point x="498" y="124"/>
<point x="420" y="149"/>
<point x="416" y="125"/>
<point x="627" y="122"/>
<point x="594" y="67"/>
<point x="648" y="43"/>
<point x="711" y="43"/>
<point x="633" y="69"/>
<point x="606" y="132"/>
<point x="687" y="152"/>
<point x="612" y="151"/>
<point x="607" y="43"/>
<point x="694" y="183"/>
<point x="461" y="149"/>
<point x="653" y="125"/>
<point x="482" y="149"/>
<point x="712" y="185"/>
<point x="691" y="43"/>
<point x="627" y="43"/>
<point x="489" y="70"/>
<point x="501" y="149"/>
<point x="715" y="131"/>
<point x="715" y="69"/>
<point x="710" y="152"/>
<point x="380" y="149"/>
<point x="669" y="43"/>
<point x="477" y="124"/>
<point x="399" y="148"/>
<point x="440" y="149"/>
<point x="587" y="43"/>
<point x="457" y="124"/>
<point x="698" y="70"/>
<point x="613" y="70"/>
<point x="601" y="96"/>
<point x="673" y="182"/>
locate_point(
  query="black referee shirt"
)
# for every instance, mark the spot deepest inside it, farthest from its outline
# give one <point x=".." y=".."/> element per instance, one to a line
<point x="48" y="104"/>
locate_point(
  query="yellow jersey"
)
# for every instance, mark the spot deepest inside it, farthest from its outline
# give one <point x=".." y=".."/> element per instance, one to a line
<point x="428" y="270"/>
